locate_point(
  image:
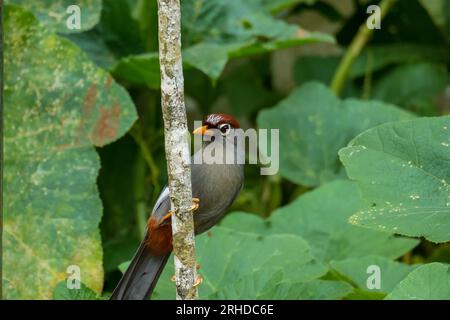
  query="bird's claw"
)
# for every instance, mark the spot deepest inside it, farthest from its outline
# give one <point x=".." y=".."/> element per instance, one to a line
<point x="195" y="204"/>
<point x="194" y="207"/>
<point x="166" y="217"/>
<point x="198" y="281"/>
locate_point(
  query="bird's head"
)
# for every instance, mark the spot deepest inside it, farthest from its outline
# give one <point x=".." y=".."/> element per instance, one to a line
<point x="221" y="138"/>
<point x="217" y="125"/>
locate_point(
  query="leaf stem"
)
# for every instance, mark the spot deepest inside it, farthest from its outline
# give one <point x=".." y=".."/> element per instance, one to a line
<point x="353" y="51"/>
<point x="137" y="135"/>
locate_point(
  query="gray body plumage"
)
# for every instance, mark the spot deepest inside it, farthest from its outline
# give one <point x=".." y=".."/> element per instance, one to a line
<point x="216" y="186"/>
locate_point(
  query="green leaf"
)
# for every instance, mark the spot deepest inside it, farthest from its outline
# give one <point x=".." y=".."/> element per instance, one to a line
<point x="276" y="290"/>
<point x="209" y="58"/>
<point x="53" y="14"/>
<point x="314" y="124"/>
<point x="359" y="294"/>
<point x="428" y="282"/>
<point x="116" y="35"/>
<point x="119" y="29"/>
<point x="213" y="32"/>
<point x="323" y="224"/>
<point x="278" y="5"/>
<point x="439" y="11"/>
<point x="250" y="266"/>
<point x="58" y="105"/>
<point x="264" y="286"/>
<point x="95" y="47"/>
<point x="356" y="270"/>
<point x="62" y="292"/>
<point x="263" y="253"/>
<point x="375" y="58"/>
<point x="414" y="86"/>
<point x="403" y="169"/>
<point x="259" y="258"/>
<point x="140" y="69"/>
<point x="123" y="266"/>
<point x="231" y="21"/>
<point x="371" y="59"/>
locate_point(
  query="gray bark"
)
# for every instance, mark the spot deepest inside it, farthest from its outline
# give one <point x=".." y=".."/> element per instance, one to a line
<point x="177" y="147"/>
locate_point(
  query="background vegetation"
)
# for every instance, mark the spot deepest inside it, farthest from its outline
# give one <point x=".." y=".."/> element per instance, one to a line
<point x="364" y="173"/>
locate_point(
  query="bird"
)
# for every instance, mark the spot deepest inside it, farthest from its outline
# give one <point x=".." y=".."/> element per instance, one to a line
<point x="214" y="188"/>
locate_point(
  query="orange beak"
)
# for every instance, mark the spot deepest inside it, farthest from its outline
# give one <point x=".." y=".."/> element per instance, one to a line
<point x="203" y="130"/>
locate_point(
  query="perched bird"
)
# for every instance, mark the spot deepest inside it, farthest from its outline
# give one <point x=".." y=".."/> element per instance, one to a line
<point x="214" y="188"/>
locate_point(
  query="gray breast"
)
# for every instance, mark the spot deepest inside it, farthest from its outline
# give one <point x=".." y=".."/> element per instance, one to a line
<point x="216" y="185"/>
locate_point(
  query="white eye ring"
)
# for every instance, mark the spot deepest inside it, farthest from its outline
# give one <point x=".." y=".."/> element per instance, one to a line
<point x="224" y="129"/>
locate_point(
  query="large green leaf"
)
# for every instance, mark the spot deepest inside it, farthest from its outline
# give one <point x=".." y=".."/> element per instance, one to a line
<point x="403" y="170"/>
<point x="119" y="29"/>
<point x="274" y="288"/>
<point x="216" y="31"/>
<point x="414" y="86"/>
<point x="95" y="47"/>
<point x="210" y="58"/>
<point x="242" y="255"/>
<point x="237" y="265"/>
<point x="356" y="270"/>
<point x="58" y="105"/>
<point x="235" y="21"/>
<point x="267" y="259"/>
<point x="323" y="224"/>
<point x="53" y="13"/>
<point x="428" y="282"/>
<point x="140" y="69"/>
<point x="116" y="35"/>
<point x="314" y="124"/>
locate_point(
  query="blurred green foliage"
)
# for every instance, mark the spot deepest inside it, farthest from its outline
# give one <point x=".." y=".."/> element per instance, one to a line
<point x="363" y="177"/>
<point x="56" y="110"/>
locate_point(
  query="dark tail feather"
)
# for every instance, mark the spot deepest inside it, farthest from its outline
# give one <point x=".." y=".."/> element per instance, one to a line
<point x="141" y="276"/>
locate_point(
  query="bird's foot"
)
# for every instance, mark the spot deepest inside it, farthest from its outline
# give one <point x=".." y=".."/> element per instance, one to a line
<point x="198" y="281"/>
<point x="195" y="204"/>
<point x="194" y="207"/>
<point x="166" y="217"/>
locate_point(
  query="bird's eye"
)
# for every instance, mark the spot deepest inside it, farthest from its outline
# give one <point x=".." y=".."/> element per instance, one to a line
<point x="225" y="129"/>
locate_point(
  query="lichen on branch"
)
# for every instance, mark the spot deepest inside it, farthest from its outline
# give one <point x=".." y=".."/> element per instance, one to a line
<point x="177" y="147"/>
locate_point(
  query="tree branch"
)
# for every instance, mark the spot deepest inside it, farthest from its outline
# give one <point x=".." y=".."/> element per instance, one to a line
<point x="177" y="147"/>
